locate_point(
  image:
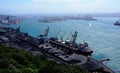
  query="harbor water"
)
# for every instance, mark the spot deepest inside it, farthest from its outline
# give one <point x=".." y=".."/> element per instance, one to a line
<point x="103" y="37"/>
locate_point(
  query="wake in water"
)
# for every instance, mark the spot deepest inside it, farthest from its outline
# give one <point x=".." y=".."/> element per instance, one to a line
<point x="89" y="24"/>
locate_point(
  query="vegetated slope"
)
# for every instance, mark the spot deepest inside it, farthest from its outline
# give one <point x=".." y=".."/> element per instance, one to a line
<point x="19" y="61"/>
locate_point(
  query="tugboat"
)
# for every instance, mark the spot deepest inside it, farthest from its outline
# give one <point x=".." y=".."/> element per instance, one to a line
<point x="117" y="23"/>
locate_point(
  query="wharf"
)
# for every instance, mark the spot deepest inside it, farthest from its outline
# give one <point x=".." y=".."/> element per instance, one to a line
<point x="14" y="38"/>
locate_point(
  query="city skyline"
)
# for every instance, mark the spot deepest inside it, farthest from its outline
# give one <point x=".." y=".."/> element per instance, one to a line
<point x="58" y="6"/>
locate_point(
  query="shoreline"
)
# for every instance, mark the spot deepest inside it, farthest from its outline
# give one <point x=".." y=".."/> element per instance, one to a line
<point x="11" y="37"/>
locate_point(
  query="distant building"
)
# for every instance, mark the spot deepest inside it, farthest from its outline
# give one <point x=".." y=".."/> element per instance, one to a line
<point x="8" y="19"/>
<point x="5" y="20"/>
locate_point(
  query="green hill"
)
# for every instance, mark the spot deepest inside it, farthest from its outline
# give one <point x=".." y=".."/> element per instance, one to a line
<point x="19" y="61"/>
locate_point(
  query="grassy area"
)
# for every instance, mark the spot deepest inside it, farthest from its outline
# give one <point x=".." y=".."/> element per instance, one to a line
<point x="19" y="61"/>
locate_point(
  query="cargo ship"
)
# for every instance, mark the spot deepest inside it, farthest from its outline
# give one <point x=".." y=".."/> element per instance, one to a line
<point x="80" y="48"/>
<point x="72" y="53"/>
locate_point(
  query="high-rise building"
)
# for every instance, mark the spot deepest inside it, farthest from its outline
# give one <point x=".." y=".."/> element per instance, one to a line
<point x="7" y="19"/>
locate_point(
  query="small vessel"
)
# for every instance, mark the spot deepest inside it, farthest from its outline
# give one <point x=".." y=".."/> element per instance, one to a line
<point x="117" y="23"/>
<point x="89" y="24"/>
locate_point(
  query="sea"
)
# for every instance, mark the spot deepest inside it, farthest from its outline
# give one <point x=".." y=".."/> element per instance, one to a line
<point x="102" y="36"/>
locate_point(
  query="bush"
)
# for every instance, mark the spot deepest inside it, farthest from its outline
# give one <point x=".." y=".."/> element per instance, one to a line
<point x="4" y="63"/>
<point x="19" y="61"/>
<point x="28" y="70"/>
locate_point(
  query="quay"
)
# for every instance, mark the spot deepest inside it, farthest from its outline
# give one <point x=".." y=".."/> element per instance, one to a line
<point x="67" y="53"/>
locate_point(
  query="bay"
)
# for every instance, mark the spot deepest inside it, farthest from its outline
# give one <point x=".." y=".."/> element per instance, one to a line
<point x="103" y="37"/>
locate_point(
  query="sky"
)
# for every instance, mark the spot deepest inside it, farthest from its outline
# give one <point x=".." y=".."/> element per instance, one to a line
<point x="58" y="6"/>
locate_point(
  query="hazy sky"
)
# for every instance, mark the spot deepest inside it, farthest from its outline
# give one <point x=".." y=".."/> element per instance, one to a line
<point x="58" y="6"/>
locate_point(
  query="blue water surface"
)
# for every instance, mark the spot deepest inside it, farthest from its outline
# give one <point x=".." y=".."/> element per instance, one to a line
<point x="103" y="37"/>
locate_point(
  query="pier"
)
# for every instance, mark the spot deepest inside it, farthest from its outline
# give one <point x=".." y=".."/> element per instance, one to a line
<point x="51" y="49"/>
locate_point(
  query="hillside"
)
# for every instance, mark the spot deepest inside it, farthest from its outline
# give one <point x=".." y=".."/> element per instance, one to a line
<point x="19" y="61"/>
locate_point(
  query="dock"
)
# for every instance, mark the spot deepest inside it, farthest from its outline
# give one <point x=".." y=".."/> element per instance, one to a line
<point x="58" y="53"/>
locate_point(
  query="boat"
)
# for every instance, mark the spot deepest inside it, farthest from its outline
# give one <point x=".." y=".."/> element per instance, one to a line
<point x="71" y="45"/>
<point x="117" y="23"/>
<point x="89" y="24"/>
<point x="71" y="53"/>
